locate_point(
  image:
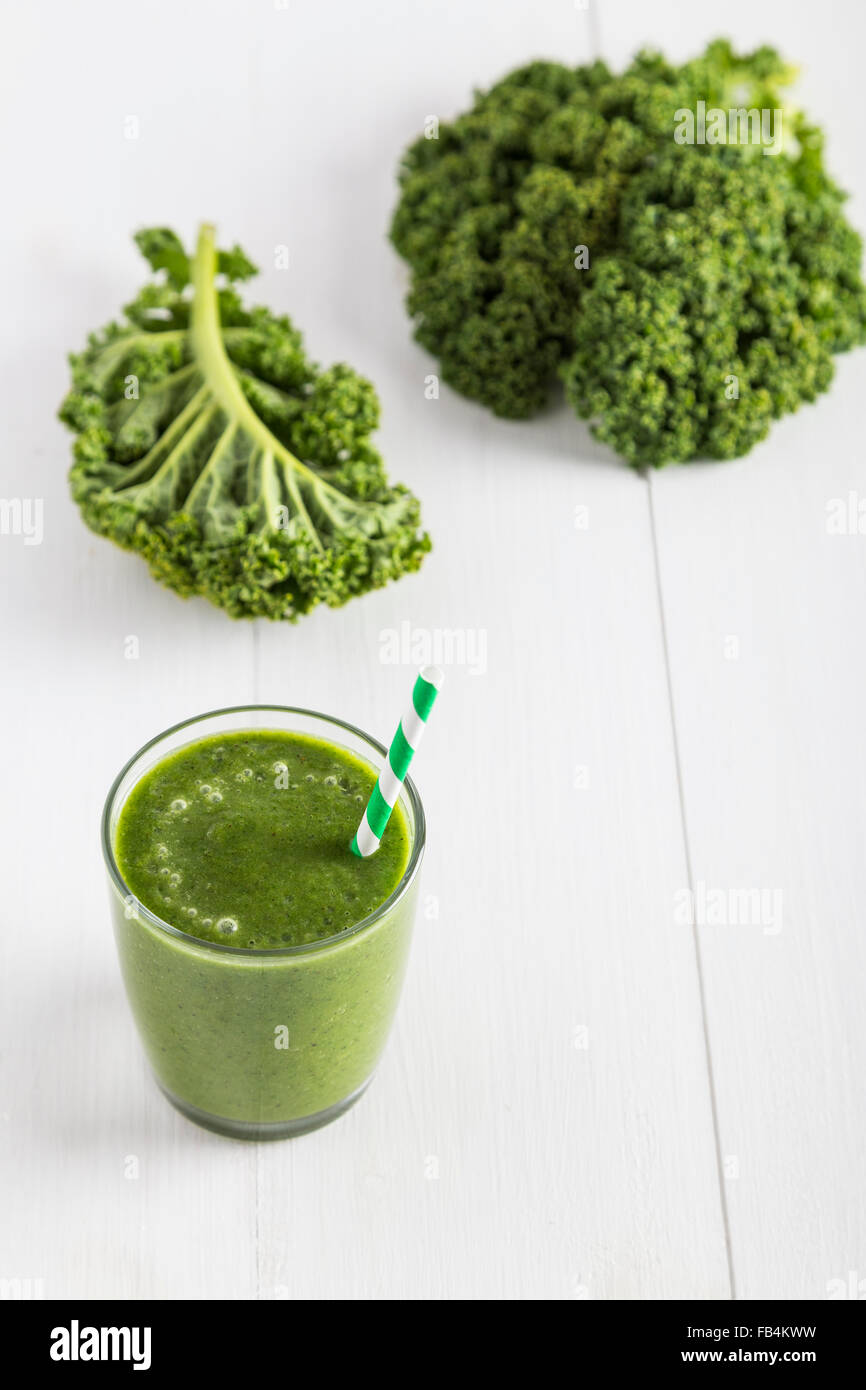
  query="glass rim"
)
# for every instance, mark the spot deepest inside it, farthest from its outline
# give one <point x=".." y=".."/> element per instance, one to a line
<point x="303" y="948"/>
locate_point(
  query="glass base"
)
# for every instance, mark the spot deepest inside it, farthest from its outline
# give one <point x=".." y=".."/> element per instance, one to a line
<point x="249" y="1129"/>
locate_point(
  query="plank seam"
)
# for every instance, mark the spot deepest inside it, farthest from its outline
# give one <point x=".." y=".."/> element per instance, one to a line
<point x="690" y="874"/>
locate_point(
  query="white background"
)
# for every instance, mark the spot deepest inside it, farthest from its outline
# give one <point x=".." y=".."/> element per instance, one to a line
<point x="707" y="1142"/>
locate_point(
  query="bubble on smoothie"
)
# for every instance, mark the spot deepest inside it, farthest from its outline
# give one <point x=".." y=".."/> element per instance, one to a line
<point x="359" y="798"/>
<point x="215" y="797"/>
<point x="227" y="925"/>
<point x="205" y="788"/>
<point x="330" y="781"/>
<point x="244" y="775"/>
<point x="174" y="879"/>
<point x="191" y="911"/>
<point x="309" y="777"/>
<point x="165" y="871"/>
<point x="161" y="851"/>
<point x="178" y="805"/>
<point x="207" y="921"/>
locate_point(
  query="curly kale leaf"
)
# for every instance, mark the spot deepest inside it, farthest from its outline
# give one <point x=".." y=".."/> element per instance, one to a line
<point x="693" y="342"/>
<point x="210" y="443"/>
<point x="720" y="279"/>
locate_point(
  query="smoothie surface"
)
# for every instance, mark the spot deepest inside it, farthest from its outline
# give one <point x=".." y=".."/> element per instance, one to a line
<point x="243" y="839"/>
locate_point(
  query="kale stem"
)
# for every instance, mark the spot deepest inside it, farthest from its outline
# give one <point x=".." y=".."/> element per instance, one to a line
<point x="221" y="376"/>
<point x="216" y="367"/>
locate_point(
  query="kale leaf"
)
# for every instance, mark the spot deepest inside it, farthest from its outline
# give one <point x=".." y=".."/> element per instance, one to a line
<point x="210" y="443"/>
<point x="721" y="278"/>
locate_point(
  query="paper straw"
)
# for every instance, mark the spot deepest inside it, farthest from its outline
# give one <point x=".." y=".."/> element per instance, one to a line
<point x="404" y="745"/>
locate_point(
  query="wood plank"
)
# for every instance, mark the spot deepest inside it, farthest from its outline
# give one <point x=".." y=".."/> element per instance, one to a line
<point x="763" y="611"/>
<point x="114" y="1194"/>
<point x="564" y="1169"/>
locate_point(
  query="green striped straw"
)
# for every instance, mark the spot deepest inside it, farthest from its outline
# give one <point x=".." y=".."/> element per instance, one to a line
<point x="404" y="745"/>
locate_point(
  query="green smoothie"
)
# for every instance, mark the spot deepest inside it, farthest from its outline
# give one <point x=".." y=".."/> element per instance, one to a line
<point x="243" y="839"/>
<point x="265" y="991"/>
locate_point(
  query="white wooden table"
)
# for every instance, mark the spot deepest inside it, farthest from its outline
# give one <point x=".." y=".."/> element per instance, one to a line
<point x="585" y="1096"/>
